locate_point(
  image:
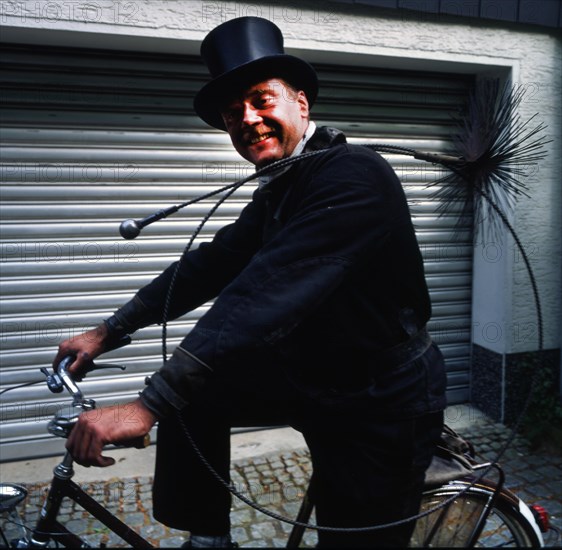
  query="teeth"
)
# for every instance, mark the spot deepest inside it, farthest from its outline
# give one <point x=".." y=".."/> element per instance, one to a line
<point x="257" y="139"/>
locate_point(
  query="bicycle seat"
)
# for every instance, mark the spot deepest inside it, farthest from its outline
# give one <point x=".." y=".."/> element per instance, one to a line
<point x="10" y="496"/>
<point x="453" y="459"/>
<point x="444" y="469"/>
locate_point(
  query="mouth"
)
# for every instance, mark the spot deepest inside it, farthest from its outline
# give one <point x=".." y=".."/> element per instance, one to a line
<point x="260" y="137"/>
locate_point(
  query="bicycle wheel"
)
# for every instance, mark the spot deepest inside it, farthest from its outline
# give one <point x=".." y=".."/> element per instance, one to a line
<point x="453" y="525"/>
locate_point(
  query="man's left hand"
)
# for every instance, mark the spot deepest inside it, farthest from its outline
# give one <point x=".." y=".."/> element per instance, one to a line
<point x="116" y="424"/>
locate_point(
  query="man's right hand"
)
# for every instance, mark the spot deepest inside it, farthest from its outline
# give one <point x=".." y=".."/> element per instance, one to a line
<point x="85" y="347"/>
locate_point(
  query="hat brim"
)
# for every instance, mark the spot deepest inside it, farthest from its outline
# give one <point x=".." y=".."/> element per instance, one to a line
<point x="215" y="94"/>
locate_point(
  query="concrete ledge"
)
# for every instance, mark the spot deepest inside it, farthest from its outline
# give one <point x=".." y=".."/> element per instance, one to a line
<point x="135" y="462"/>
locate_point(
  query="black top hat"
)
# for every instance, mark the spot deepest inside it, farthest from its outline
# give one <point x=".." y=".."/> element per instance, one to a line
<point x="242" y="52"/>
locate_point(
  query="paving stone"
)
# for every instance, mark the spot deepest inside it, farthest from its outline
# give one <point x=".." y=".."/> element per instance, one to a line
<point x="552" y="472"/>
<point x="545" y="491"/>
<point x="239" y="534"/>
<point x="283" y="477"/>
<point x="172" y="542"/>
<point x="534" y="460"/>
<point x="145" y="486"/>
<point x="310" y="538"/>
<point x="134" y="519"/>
<point x="146" y="498"/>
<point x="93" y="540"/>
<point x="32" y="516"/>
<point x="114" y="541"/>
<point x="531" y="476"/>
<point x="269" y="482"/>
<point x="241" y="517"/>
<point x="291" y="508"/>
<point x="175" y="532"/>
<point x="518" y="464"/>
<point x="77" y="525"/>
<point x="11" y="531"/>
<point x="263" y="530"/>
<point x="153" y="531"/>
<point x="286" y="527"/>
<point x="255" y="544"/>
<point x="129" y="506"/>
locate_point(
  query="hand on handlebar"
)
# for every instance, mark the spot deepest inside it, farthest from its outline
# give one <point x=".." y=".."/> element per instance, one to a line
<point x="85" y="347"/>
<point x="116" y="424"/>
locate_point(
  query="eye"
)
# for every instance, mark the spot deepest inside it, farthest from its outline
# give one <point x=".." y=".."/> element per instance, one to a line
<point x="264" y="101"/>
<point x="229" y="114"/>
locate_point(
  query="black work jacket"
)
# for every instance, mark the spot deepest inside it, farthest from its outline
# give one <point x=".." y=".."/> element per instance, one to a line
<point x="320" y="272"/>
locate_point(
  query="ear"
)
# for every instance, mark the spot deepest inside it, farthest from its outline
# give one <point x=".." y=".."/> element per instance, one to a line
<point x="302" y="102"/>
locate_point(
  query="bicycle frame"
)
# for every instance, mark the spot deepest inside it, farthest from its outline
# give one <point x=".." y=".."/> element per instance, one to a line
<point x="62" y="486"/>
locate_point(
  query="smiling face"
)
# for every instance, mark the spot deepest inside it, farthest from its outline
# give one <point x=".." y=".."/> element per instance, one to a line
<point x="267" y="121"/>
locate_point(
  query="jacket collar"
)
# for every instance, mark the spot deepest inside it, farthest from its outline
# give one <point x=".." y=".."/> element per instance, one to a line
<point x="323" y="138"/>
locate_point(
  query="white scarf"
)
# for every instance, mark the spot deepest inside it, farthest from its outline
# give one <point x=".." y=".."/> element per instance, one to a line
<point x="268" y="178"/>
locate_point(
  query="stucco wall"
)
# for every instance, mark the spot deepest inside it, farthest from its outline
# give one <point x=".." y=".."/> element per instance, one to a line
<point x="504" y="314"/>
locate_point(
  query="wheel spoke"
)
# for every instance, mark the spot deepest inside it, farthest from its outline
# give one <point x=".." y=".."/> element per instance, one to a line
<point x="453" y="525"/>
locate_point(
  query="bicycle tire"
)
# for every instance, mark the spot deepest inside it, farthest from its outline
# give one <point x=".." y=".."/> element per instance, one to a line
<point x="508" y="524"/>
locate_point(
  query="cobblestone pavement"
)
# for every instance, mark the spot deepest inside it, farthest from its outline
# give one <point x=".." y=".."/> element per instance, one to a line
<point x="278" y="480"/>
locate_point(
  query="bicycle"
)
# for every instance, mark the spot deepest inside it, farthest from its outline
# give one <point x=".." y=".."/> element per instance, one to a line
<point x="467" y="511"/>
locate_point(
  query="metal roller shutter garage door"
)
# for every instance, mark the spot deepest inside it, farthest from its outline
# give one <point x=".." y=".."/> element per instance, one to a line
<point x="93" y="137"/>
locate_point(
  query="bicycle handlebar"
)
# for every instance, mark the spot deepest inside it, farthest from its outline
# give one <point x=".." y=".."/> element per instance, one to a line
<point x="67" y="380"/>
<point x="62" y="424"/>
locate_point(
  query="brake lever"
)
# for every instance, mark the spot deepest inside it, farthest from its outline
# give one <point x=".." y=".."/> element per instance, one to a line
<point x="54" y="382"/>
<point x="108" y="366"/>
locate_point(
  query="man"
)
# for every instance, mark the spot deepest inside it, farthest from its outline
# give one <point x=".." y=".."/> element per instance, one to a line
<point x="318" y="319"/>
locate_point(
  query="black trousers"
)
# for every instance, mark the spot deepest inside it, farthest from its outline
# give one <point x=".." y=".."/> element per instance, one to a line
<point x="368" y="468"/>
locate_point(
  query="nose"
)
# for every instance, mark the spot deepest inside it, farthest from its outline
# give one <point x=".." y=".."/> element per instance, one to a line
<point x="251" y="115"/>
